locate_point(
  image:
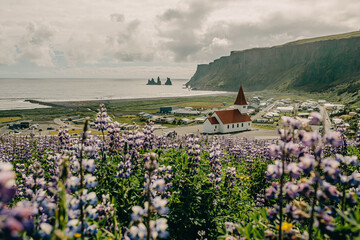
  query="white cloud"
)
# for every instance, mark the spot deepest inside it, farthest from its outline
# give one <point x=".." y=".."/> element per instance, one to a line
<point x="7" y="53"/>
<point x="109" y="33"/>
<point x="35" y="45"/>
<point x="219" y="42"/>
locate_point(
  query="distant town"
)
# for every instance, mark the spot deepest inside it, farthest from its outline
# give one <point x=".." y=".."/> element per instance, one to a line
<point x="264" y="113"/>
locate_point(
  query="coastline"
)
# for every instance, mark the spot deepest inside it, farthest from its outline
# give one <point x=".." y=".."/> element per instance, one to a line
<point x="82" y="103"/>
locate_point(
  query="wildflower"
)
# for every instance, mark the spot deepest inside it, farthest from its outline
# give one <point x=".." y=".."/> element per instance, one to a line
<point x="160" y="205"/>
<point x="91" y="212"/>
<point x="291" y="190"/>
<point x="316" y="118"/>
<point x="307" y="163"/>
<point x="77" y="235"/>
<point x="310" y="139"/>
<point x="73" y="183"/>
<point x="90" y="181"/>
<point x="91" y="198"/>
<point x="138" y="232"/>
<point x="274" y="150"/>
<point x="293" y="170"/>
<point x="286" y="226"/>
<point x="138" y="212"/>
<point x="333" y="138"/>
<point x="45" y="230"/>
<point x="355" y="178"/>
<point x="90" y="165"/>
<point x="274" y="170"/>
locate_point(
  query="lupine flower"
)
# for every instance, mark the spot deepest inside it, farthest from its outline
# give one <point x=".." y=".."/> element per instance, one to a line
<point x="274" y="170"/>
<point x="307" y="163"/>
<point x="138" y="232"/>
<point x="310" y="138"/>
<point x="102" y="119"/>
<point x="13" y="221"/>
<point x="293" y="170"/>
<point x="45" y="230"/>
<point x="91" y="198"/>
<point x="333" y="138"/>
<point x="90" y="181"/>
<point x="316" y="118"/>
<point x="73" y="183"/>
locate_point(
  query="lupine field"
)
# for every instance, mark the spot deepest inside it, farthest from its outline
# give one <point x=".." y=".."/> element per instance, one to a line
<point x="133" y="185"/>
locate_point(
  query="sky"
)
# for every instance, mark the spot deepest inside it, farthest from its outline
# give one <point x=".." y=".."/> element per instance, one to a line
<point x="149" y="38"/>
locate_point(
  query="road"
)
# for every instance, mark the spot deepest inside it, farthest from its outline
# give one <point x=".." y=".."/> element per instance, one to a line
<point x="59" y="122"/>
<point x="325" y="115"/>
<point x="260" y="113"/>
<point x="197" y="129"/>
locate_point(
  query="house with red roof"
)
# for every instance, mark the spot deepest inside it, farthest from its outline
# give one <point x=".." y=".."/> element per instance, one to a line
<point x="230" y="120"/>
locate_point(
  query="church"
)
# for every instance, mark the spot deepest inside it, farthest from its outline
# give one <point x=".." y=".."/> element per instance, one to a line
<point x="231" y="120"/>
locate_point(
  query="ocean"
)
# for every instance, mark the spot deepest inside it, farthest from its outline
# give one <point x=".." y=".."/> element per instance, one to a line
<point x="14" y="92"/>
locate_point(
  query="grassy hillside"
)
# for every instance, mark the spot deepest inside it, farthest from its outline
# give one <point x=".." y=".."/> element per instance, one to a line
<point x="329" y="64"/>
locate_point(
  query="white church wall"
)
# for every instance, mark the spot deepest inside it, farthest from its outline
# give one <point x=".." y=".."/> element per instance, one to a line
<point x="235" y="127"/>
<point x="210" y="128"/>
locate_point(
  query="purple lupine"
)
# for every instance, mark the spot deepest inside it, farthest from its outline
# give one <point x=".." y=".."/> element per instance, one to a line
<point x="155" y="204"/>
<point x="215" y="164"/>
<point x="16" y="220"/>
<point x="193" y="151"/>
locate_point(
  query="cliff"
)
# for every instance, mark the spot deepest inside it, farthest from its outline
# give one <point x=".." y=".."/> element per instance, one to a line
<point x="317" y="64"/>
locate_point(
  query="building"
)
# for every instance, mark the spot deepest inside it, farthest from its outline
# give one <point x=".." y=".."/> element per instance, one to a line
<point x="185" y="111"/>
<point x="168" y="109"/>
<point x="231" y="120"/>
<point x="21" y="125"/>
<point x="288" y="109"/>
<point x="304" y="115"/>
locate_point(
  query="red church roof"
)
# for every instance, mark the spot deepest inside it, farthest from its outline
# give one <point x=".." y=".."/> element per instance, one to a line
<point x="240" y="99"/>
<point x="232" y="116"/>
<point x="213" y="120"/>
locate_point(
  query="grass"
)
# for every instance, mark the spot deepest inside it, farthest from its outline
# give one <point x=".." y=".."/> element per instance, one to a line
<point x="264" y="126"/>
<point x="325" y="38"/>
<point x="9" y="119"/>
<point x="125" y="111"/>
<point x="130" y="119"/>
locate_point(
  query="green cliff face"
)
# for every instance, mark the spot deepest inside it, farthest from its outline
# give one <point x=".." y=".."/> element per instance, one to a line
<point x="311" y="65"/>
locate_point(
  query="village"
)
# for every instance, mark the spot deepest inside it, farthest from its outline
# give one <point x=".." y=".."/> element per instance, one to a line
<point x="246" y="114"/>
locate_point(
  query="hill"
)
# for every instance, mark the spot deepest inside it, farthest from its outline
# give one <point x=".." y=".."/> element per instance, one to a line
<point x="322" y="64"/>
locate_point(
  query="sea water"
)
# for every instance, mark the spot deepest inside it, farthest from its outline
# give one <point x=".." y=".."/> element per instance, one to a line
<point x="14" y="92"/>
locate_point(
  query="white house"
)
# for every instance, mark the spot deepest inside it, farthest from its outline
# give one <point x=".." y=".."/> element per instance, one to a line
<point x="288" y="109"/>
<point x="231" y="120"/>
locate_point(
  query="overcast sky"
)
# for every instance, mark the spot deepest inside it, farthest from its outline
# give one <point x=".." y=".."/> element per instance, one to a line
<point x="147" y="38"/>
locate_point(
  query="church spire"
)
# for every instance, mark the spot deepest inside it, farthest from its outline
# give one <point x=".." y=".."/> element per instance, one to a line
<point x="240" y="99"/>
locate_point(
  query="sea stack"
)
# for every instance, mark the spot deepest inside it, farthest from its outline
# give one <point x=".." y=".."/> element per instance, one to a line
<point x="168" y="81"/>
<point x="151" y="82"/>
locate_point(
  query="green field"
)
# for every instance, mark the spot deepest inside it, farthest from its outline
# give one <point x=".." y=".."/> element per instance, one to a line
<point x="9" y="119"/>
<point x="125" y="111"/>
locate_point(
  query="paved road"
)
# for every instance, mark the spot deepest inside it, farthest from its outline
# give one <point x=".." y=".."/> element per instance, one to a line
<point x="59" y="122"/>
<point x="325" y="115"/>
<point x="259" y="114"/>
<point x="197" y="129"/>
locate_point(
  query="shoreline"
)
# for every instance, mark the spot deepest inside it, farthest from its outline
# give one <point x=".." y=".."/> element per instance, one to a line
<point x="82" y="103"/>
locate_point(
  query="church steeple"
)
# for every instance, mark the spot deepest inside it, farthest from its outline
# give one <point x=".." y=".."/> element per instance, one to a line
<point x="240" y="99"/>
<point x="240" y="102"/>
